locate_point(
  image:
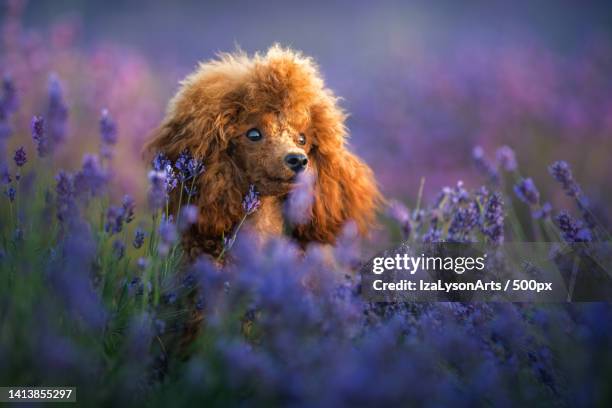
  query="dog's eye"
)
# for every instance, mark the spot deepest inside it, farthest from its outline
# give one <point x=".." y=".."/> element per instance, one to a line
<point x="302" y="139"/>
<point x="254" y="134"/>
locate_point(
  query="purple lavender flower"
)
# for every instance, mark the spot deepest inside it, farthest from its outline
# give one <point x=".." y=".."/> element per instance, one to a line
<point x="10" y="193"/>
<point x="114" y="220"/>
<point x="128" y="205"/>
<point x="506" y="158"/>
<point x="463" y="221"/>
<point x="434" y="234"/>
<point x="188" y="217"/>
<point x="562" y="172"/>
<point x="5" y="176"/>
<point x="167" y="236"/>
<point x="92" y="178"/>
<point x="39" y="136"/>
<point x="157" y="189"/>
<point x="527" y="192"/>
<point x="142" y="263"/>
<point x="160" y="161"/>
<point x="66" y="207"/>
<point x="493" y="225"/>
<point x="251" y="201"/>
<point x="20" y="157"/>
<point x="543" y="212"/>
<point x="228" y="241"/>
<point x="182" y="165"/>
<point x="401" y="215"/>
<point x="139" y="237"/>
<point x="482" y="164"/>
<point x="171" y="178"/>
<point x="299" y="203"/>
<point x="8" y="101"/>
<point x="108" y="128"/>
<point x="118" y="248"/>
<point x="57" y="113"/>
<point x="195" y="167"/>
<point x="573" y="230"/>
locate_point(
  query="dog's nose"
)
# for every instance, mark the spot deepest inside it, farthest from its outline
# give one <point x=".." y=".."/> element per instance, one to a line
<point x="296" y="162"/>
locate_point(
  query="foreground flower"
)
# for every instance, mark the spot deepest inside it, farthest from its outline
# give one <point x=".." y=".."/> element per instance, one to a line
<point x="300" y="200"/>
<point x="251" y="201"/>
<point x="159" y="162"/>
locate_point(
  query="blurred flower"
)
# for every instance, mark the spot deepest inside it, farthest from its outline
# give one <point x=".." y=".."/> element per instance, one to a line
<point x="527" y="192"/>
<point x="139" y="238"/>
<point x="108" y="128"/>
<point x="167" y="236"/>
<point x="401" y="215"/>
<point x="543" y="212"/>
<point x="5" y="176"/>
<point x="573" y="230"/>
<point x="482" y="164"/>
<point x="10" y="193"/>
<point x="128" y="205"/>
<point x="188" y="217"/>
<point x="142" y="263"/>
<point x="57" y="113"/>
<point x="157" y="189"/>
<point x="118" y="248"/>
<point x="8" y="100"/>
<point x="298" y="206"/>
<point x="251" y="201"/>
<point x="39" y="136"/>
<point x="92" y="178"/>
<point x="66" y="206"/>
<point x="506" y="158"/>
<point x="114" y="220"/>
<point x="20" y="157"/>
<point x="562" y="172"/>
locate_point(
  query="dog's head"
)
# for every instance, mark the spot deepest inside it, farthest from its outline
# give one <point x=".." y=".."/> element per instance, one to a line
<point x="262" y="121"/>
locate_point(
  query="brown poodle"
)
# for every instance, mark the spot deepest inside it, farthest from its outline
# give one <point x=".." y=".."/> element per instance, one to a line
<point x="261" y="121"/>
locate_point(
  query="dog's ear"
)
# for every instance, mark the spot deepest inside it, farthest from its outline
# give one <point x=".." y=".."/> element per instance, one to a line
<point x="345" y="188"/>
<point x="201" y="118"/>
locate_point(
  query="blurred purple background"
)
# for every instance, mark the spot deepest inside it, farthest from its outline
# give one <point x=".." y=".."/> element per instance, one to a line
<point x="424" y="82"/>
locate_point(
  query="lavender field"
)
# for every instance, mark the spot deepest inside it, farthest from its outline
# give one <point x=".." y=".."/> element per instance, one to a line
<point x="497" y="133"/>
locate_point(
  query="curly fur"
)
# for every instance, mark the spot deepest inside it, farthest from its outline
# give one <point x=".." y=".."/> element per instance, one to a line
<point x="282" y="92"/>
